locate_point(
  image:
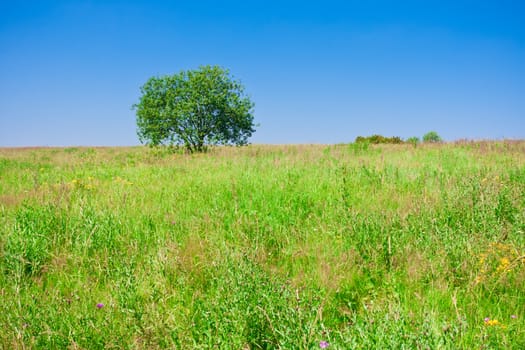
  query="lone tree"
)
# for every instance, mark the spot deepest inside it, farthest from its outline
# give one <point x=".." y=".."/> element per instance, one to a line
<point x="194" y="108"/>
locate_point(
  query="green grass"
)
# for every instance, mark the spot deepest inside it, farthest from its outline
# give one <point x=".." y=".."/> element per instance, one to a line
<point x="264" y="247"/>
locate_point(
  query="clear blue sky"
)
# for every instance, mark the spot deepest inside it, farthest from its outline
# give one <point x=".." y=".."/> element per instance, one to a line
<point x="318" y="71"/>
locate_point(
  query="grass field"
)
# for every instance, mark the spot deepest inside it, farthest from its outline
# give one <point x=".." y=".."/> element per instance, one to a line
<point x="293" y="247"/>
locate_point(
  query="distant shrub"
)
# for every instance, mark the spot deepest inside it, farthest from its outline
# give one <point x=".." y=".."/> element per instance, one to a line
<point x="414" y="140"/>
<point x="432" y="137"/>
<point x="377" y="139"/>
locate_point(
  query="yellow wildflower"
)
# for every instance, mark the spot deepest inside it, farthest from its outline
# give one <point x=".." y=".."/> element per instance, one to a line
<point x="492" y="322"/>
<point x="504" y="264"/>
<point x="482" y="258"/>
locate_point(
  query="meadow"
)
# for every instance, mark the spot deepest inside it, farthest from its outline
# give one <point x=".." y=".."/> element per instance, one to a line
<point x="349" y="246"/>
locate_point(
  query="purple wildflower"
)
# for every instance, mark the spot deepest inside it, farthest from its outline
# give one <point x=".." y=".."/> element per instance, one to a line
<point x="513" y="316"/>
<point x="323" y="344"/>
<point x="100" y="306"/>
<point x="486" y="319"/>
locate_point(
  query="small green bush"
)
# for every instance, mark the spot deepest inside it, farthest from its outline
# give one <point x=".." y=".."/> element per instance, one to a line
<point x="414" y="140"/>
<point x="377" y="139"/>
<point x="432" y="137"/>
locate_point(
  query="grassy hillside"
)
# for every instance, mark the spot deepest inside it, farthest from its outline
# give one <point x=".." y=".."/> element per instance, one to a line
<point x="284" y="247"/>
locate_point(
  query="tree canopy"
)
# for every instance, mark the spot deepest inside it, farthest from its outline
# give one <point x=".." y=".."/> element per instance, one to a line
<point x="194" y="108"/>
<point x="432" y="137"/>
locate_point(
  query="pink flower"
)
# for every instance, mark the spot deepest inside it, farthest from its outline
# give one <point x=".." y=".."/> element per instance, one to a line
<point x="513" y="316"/>
<point x="323" y="344"/>
<point x="486" y="319"/>
<point x="100" y="306"/>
